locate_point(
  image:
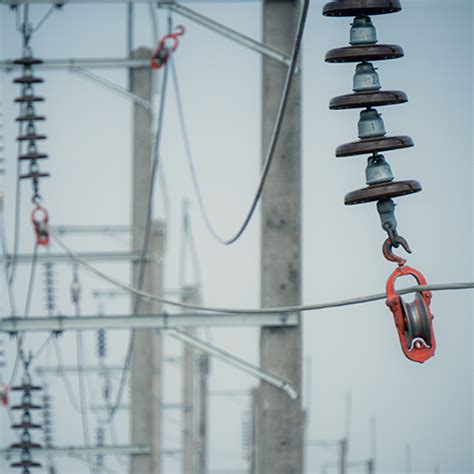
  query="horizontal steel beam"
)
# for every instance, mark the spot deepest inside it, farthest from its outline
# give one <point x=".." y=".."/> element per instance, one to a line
<point x="143" y="321"/>
<point x="227" y="32"/>
<point x="69" y="369"/>
<point x="164" y="406"/>
<point x="87" y="63"/>
<point x="109" y="256"/>
<point x="124" y="450"/>
<point x="90" y="229"/>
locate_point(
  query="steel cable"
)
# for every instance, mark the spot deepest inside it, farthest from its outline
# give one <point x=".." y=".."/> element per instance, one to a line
<point x="271" y="148"/>
<point x="146" y="242"/>
<point x="274" y="310"/>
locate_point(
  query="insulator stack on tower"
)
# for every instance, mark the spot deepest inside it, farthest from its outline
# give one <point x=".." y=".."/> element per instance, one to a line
<point x="49" y="288"/>
<point x="28" y="118"/>
<point x="101" y="344"/>
<point x="368" y="94"/>
<point x="26" y="425"/>
<point x="47" y="420"/>
<point x="100" y="438"/>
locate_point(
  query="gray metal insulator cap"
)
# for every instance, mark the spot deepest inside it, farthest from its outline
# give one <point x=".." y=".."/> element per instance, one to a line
<point x="363" y="31"/>
<point x="366" y="78"/>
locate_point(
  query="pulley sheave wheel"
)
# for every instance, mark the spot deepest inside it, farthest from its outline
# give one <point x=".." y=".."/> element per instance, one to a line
<point x="417" y="323"/>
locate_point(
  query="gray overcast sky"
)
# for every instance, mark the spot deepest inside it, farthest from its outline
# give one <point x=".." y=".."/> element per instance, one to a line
<point x="351" y="349"/>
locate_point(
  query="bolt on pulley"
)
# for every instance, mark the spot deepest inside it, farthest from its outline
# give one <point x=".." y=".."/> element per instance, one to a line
<point x="413" y="320"/>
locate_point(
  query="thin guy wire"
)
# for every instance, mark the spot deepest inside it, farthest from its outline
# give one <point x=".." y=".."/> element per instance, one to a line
<point x="65" y="379"/>
<point x="45" y="17"/>
<point x="19" y="349"/>
<point x="273" y="141"/>
<point x="146" y="243"/>
<point x="4" y="254"/>
<point x="80" y="372"/>
<point x="16" y="237"/>
<point x="273" y="310"/>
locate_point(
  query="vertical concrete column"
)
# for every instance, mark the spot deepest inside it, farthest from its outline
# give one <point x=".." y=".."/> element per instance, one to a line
<point x="202" y="397"/>
<point x="281" y="425"/>
<point x="189" y="295"/>
<point x="146" y="361"/>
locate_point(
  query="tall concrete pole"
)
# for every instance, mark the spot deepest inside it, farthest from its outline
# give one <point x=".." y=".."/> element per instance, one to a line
<point x="189" y="295"/>
<point x="146" y="386"/>
<point x="343" y="456"/>
<point x="253" y="446"/>
<point x="202" y="397"/>
<point x="280" y="434"/>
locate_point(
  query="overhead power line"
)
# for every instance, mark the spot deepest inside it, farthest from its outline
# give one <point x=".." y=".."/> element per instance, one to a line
<point x="271" y="148"/>
<point x="283" y="309"/>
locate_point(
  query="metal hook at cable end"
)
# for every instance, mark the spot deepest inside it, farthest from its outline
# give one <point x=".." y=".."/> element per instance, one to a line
<point x="388" y="246"/>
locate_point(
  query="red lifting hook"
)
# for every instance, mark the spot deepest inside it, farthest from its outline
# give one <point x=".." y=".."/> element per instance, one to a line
<point x="40" y="218"/>
<point x="161" y="53"/>
<point x="414" y="321"/>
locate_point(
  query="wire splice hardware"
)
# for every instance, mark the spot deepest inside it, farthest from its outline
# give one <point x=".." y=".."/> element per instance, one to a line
<point x="413" y="320"/>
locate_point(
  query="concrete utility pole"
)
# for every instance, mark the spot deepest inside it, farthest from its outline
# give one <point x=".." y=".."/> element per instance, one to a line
<point x="202" y="413"/>
<point x="146" y="383"/>
<point x="189" y="295"/>
<point x="253" y="446"/>
<point x="195" y="400"/>
<point x="281" y="427"/>
<point x="343" y="456"/>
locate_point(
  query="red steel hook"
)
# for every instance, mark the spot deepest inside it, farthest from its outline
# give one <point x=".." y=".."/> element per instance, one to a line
<point x="387" y="250"/>
<point x="40" y="218"/>
<point x="161" y="53"/>
<point x="412" y="320"/>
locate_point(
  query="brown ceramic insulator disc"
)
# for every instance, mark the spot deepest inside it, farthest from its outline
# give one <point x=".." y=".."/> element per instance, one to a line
<point x="28" y="80"/>
<point x="31" y="137"/>
<point x="361" y="7"/>
<point x="26" y="407"/>
<point x="25" y="446"/>
<point x="374" y="145"/>
<point x="368" y="99"/>
<point x="25" y="388"/>
<point x="34" y="175"/>
<point x="25" y="464"/>
<point x="30" y="118"/>
<point x="360" y="53"/>
<point x="33" y="156"/>
<point x="382" y="191"/>
<point x="26" y="426"/>
<point x="27" y="61"/>
<point x="29" y="98"/>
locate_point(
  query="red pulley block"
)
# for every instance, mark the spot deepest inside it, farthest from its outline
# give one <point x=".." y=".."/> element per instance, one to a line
<point x="413" y="320"/>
